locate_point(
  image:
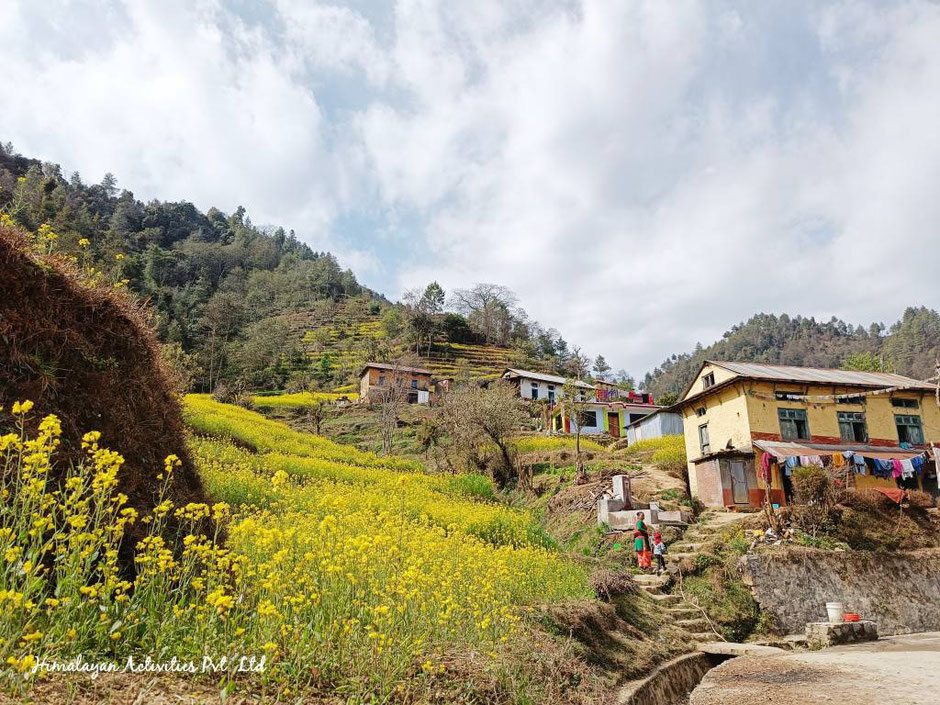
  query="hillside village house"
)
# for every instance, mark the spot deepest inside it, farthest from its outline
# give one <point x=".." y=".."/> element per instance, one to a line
<point x="378" y="377"/>
<point x="742" y="420"/>
<point x="602" y="413"/>
<point x="536" y="385"/>
<point x="610" y="417"/>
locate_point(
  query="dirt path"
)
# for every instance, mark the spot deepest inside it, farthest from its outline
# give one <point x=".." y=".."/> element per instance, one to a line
<point x="894" y="670"/>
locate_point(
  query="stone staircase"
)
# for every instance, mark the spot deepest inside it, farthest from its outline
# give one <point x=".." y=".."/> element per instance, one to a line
<point x="682" y="614"/>
<point x="682" y="556"/>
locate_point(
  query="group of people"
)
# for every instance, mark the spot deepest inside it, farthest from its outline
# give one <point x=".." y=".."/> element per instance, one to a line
<point x="645" y="550"/>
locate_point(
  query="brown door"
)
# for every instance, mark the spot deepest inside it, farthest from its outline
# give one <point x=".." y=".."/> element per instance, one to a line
<point x="613" y="424"/>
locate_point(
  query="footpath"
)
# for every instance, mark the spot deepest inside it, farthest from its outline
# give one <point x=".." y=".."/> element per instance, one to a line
<point x="895" y="670"/>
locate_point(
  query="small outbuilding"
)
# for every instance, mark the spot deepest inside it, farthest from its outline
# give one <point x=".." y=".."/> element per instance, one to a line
<point x="378" y="378"/>
<point x="658" y="424"/>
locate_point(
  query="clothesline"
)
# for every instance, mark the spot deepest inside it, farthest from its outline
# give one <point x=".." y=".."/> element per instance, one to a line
<point x="860" y="463"/>
<point x="837" y="397"/>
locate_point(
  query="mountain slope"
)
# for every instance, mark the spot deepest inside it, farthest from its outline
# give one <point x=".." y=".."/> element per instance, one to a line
<point x="909" y="347"/>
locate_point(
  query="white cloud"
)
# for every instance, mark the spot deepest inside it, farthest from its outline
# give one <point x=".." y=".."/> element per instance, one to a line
<point x="643" y="174"/>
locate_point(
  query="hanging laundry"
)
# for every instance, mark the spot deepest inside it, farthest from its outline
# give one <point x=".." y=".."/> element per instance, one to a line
<point x="765" y="460"/>
<point x="918" y="462"/>
<point x="838" y="460"/>
<point x="896" y="468"/>
<point x="810" y="460"/>
<point x="907" y="469"/>
<point x="791" y="462"/>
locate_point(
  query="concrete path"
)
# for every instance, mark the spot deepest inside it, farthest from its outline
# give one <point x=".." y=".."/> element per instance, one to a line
<point x="892" y="671"/>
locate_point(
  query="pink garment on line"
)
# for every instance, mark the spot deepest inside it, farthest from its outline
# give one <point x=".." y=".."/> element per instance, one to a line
<point x="896" y="464"/>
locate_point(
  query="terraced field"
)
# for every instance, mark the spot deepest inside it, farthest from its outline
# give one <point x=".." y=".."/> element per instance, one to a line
<point x="345" y="335"/>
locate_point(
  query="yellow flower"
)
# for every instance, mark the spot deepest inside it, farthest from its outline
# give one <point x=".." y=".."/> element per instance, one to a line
<point x="119" y="256"/>
<point x="21" y="408"/>
<point x="84" y="242"/>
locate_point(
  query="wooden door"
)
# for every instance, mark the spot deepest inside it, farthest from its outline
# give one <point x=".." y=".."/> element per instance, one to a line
<point x="739" y="493"/>
<point x="613" y="424"/>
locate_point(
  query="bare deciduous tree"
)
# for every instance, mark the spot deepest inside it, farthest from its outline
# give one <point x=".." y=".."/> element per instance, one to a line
<point x="475" y="417"/>
<point x="574" y="402"/>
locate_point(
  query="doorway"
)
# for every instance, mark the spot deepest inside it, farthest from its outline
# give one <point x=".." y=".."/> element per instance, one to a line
<point x="739" y="492"/>
<point x="613" y="424"/>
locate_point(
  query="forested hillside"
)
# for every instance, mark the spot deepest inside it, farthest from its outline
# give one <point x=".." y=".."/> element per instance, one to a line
<point x="909" y="347"/>
<point x="254" y="307"/>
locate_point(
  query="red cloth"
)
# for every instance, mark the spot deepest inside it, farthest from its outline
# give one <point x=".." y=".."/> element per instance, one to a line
<point x="765" y="467"/>
<point x="896" y="496"/>
<point x="644" y="559"/>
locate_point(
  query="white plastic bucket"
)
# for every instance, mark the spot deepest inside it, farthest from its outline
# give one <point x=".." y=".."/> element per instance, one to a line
<point x="835" y="610"/>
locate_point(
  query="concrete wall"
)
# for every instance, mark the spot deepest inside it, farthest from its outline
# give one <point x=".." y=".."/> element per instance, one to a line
<point x="898" y="591"/>
<point x="526" y="387"/>
<point x="656" y="426"/>
<point x="823" y="422"/>
<point x="726" y="416"/>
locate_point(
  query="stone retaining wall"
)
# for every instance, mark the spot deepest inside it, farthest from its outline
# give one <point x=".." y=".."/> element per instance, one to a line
<point x="898" y="591"/>
<point x="669" y="683"/>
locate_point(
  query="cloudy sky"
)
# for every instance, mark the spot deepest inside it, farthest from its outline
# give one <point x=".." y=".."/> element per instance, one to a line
<point x="643" y="174"/>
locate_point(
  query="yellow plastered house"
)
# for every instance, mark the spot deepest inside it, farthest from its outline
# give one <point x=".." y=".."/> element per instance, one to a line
<point x="734" y="412"/>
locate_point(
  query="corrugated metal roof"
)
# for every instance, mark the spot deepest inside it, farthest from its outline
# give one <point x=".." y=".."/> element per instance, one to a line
<point x="791" y="448"/>
<point x="554" y="379"/>
<point x="790" y="373"/>
<point x="394" y="368"/>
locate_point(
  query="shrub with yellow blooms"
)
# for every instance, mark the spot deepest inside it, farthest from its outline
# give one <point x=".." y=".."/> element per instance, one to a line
<point x="349" y="578"/>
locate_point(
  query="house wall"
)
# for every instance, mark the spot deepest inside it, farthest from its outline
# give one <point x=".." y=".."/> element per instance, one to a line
<point x="726" y="415"/>
<point x="601" y="425"/>
<point x="370" y="381"/>
<point x="822" y="417"/>
<point x="656" y="426"/>
<point x="525" y="388"/>
<point x="721" y="375"/>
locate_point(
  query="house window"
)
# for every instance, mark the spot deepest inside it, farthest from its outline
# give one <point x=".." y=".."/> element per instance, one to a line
<point x="703" y="438"/>
<point x="852" y="426"/>
<point x="708" y="380"/>
<point x="535" y="390"/>
<point x="414" y="384"/>
<point x="909" y="429"/>
<point x="551" y="394"/>
<point x="904" y="403"/>
<point x="794" y="425"/>
<point x="700" y="411"/>
<point x="589" y="418"/>
<point x="381" y="380"/>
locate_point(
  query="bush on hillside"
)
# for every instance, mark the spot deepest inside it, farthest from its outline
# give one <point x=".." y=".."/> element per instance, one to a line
<point x="85" y="353"/>
<point x="813" y="498"/>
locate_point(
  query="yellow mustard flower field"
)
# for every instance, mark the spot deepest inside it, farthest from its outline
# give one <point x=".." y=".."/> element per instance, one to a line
<point x="347" y="572"/>
<point x="299" y="400"/>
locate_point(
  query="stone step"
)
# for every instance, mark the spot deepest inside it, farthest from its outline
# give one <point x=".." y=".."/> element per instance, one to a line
<point x="695" y="624"/>
<point x="702" y="637"/>
<point x="651" y="589"/>
<point x="650" y="579"/>
<point x="681" y="556"/>
<point x="663" y="598"/>
<point x="683" y="612"/>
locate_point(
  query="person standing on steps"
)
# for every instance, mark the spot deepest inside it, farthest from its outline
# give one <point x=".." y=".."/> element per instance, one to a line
<point x="659" y="550"/>
<point x="641" y="543"/>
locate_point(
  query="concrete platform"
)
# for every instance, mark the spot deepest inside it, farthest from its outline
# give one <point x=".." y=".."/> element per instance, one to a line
<point x="897" y="670"/>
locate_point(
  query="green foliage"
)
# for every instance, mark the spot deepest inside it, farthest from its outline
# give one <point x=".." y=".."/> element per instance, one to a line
<point x="866" y="362"/>
<point x="212" y="279"/>
<point x="910" y="347"/>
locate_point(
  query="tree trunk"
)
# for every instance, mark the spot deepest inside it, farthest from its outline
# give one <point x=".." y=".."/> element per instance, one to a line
<point x="580" y="476"/>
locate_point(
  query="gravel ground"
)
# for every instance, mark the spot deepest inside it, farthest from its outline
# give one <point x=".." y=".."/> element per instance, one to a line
<point x="892" y="671"/>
